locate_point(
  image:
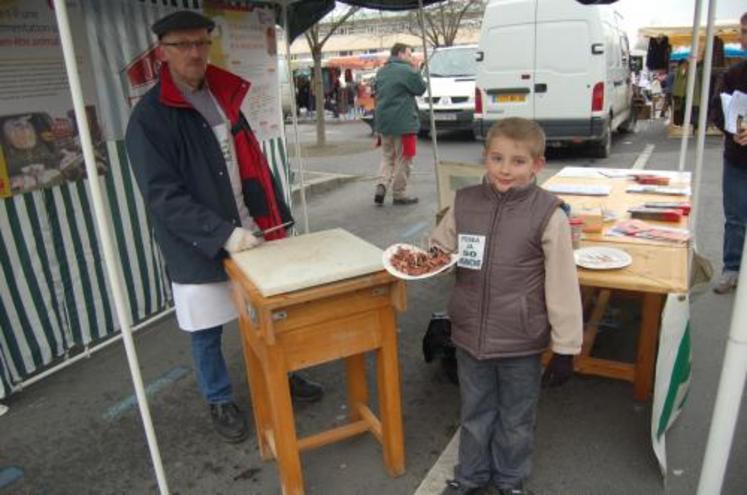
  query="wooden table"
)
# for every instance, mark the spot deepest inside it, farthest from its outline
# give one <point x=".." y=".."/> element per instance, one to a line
<point x="658" y="269"/>
<point x="290" y="331"/>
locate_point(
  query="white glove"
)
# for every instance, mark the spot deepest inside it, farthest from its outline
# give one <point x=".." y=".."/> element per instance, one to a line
<point x="240" y="240"/>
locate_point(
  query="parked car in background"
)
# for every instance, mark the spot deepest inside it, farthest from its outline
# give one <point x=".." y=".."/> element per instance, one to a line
<point x="453" y="70"/>
<point x="558" y="62"/>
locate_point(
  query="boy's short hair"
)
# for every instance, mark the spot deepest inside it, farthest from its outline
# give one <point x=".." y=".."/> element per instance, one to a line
<point x="399" y="48"/>
<point x="518" y="129"/>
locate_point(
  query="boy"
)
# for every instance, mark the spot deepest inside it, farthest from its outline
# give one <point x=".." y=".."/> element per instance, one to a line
<point x="516" y="291"/>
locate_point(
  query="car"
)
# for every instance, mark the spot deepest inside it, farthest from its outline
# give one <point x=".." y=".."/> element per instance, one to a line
<point x="453" y="70"/>
<point x="560" y="63"/>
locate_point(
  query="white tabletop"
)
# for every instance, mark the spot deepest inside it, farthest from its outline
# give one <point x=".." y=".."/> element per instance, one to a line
<point x="304" y="261"/>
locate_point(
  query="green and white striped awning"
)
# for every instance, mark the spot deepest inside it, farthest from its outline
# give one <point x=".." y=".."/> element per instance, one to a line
<point x="55" y="299"/>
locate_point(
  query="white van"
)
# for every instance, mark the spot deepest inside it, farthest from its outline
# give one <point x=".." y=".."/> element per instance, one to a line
<point x="453" y="70"/>
<point x="561" y="63"/>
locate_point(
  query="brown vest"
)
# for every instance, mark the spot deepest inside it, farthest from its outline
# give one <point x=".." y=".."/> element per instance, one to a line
<point x="499" y="309"/>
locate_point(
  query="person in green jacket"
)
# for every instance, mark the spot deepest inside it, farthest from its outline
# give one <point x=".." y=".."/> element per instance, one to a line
<point x="396" y="122"/>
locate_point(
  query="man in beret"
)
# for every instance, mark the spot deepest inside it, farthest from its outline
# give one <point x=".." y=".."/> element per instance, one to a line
<point x="207" y="187"/>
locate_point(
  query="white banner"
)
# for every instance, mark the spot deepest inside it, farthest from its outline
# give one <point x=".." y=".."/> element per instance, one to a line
<point x="243" y="43"/>
<point x="39" y="142"/>
<point x="673" y="368"/>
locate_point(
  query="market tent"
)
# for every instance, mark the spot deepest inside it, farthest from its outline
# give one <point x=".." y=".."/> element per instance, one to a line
<point x="114" y="270"/>
<point x="730" y="51"/>
<point x="682" y="35"/>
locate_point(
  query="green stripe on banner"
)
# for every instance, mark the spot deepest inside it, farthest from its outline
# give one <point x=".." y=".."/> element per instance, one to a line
<point x="59" y="247"/>
<point x="138" y="239"/>
<point x="41" y="252"/>
<point x="680" y="375"/>
<point x="80" y="258"/>
<point x="37" y="300"/>
<point x="6" y="385"/>
<point x="12" y="344"/>
<point x="97" y="261"/>
<point x="19" y="305"/>
<point x="121" y="243"/>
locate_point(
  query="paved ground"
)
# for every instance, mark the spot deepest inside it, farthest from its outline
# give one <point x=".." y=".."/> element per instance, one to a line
<point x="77" y="431"/>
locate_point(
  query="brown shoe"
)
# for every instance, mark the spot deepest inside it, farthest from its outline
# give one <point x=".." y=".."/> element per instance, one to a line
<point x="405" y="200"/>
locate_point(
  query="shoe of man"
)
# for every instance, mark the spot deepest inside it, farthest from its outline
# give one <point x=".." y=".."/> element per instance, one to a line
<point x="380" y="193"/>
<point x="229" y="422"/>
<point x="406" y="200"/>
<point x="303" y="390"/>
<point x="726" y="282"/>
<point x="453" y="487"/>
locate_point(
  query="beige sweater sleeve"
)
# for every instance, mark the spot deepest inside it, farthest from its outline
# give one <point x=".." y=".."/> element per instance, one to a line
<point x="562" y="292"/>
<point x="444" y="235"/>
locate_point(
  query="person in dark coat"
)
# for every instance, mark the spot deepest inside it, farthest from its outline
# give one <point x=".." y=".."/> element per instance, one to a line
<point x="735" y="174"/>
<point x="207" y="187"/>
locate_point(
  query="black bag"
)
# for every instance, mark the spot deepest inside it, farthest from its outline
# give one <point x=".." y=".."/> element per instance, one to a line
<point x="437" y="344"/>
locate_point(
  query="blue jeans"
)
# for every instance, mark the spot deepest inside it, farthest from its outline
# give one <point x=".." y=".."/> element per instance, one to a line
<point x="499" y="411"/>
<point x="212" y="374"/>
<point x="735" y="211"/>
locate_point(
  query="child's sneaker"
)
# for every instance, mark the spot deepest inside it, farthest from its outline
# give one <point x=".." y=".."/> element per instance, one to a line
<point x="453" y="487"/>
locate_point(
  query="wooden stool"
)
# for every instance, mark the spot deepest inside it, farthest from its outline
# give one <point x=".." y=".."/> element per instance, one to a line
<point x="296" y="330"/>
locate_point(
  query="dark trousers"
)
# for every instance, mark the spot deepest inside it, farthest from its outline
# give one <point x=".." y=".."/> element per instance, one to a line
<point x="735" y="212"/>
<point x="499" y="410"/>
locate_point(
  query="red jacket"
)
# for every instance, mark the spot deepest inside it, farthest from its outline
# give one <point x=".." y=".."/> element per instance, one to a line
<point x="229" y="90"/>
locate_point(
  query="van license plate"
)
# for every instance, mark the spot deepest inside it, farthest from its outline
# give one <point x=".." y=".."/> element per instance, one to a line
<point x="510" y="98"/>
<point x="445" y="116"/>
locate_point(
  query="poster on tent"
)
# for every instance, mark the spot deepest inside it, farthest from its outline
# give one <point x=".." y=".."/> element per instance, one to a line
<point x="39" y="141"/>
<point x="244" y="42"/>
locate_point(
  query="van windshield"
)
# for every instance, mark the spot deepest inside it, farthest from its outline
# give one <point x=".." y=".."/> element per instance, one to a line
<point x="453" y="63"/>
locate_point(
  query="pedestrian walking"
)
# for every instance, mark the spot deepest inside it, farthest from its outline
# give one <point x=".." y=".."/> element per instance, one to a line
<point x="396" y="122"/>
<point x="734" y="185"/>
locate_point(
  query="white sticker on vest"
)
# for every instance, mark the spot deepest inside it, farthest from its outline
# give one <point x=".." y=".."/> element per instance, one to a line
<point x="471" y="251"/>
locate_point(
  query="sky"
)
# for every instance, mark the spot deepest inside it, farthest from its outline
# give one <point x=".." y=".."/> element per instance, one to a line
<point x="641" y="13"/>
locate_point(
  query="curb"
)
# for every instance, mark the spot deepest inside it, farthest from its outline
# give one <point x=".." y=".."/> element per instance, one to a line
<point x="317" y="183"/>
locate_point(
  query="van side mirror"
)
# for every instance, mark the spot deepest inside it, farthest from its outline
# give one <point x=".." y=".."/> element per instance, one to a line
<point x="479" y="56"/>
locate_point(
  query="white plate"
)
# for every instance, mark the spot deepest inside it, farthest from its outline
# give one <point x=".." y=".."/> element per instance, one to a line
<point x="602" y="258"/>
<point x="389" y="252"/>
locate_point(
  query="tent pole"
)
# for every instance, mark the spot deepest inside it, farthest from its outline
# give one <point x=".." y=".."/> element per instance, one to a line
<point x="705" y="87"/>
<point x="729" y="396"/>
<point x="112" y="268"/>
<point x="434" y="138"/>
<point x="693" y="60"/>
<point x="294" y="118"/>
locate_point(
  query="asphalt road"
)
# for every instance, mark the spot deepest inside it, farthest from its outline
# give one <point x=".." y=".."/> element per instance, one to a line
<point x="78" y="431"/>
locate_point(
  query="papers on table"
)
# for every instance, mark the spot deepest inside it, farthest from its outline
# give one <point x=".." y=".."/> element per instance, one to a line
<point x="643" y="230"/>
<point x="579" y="189"/>
<point x="734" y="105"/>
<point x="668" y="190"/>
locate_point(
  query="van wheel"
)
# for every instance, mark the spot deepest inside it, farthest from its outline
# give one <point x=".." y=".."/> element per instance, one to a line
<point x="603" y="148"/>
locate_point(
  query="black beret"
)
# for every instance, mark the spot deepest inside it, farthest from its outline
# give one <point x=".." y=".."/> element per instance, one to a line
<point x="184" y="19"/>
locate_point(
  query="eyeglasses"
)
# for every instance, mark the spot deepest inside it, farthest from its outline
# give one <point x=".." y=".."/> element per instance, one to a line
<point x="184" y="46"/>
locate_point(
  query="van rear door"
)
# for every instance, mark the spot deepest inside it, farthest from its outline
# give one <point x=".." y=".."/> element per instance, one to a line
<point x="507" y="47"/>
<point x="564" y="78"/>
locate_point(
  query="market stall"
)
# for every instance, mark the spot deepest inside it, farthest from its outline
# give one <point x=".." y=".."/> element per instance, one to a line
<point x="126" y="260"/>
